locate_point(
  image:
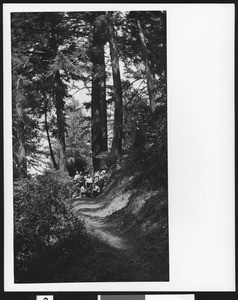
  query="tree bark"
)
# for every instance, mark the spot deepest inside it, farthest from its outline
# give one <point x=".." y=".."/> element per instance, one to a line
<point x="22" y="165"/>
<point x="118" y="112"/>
<point x="98" y="108"/>
<point x="59" y="103"/>
<point x="147" y="67"/>
<point x="48" y="137"/>
<point x="103" y="105"/>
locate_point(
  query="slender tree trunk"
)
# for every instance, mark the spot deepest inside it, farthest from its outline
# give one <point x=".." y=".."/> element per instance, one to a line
<point x="59" y="103"/>
<point x="118" y="113"/>
<point x="103" y="103"/>
<point x="22" y="165"/>
<point x="99" y="109"/>
<point x="147" y="67"/>
<point x="48" y="137"/>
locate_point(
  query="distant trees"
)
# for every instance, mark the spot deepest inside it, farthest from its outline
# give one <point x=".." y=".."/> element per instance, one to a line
<point x="52" y="52"/>
<point x="43" y="35"/>
<point x="78" y="141"/>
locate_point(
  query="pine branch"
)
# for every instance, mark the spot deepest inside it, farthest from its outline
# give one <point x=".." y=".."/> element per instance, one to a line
<point x="80" y="89"/>
<point x="131" y="83"/>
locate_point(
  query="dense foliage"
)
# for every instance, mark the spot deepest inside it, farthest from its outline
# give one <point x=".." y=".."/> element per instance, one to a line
<point x="146" y="142"/>
<point x="44" y="226"/>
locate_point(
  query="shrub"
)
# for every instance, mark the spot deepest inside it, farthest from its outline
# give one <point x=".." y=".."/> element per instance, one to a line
<point x="43" y="222"/>
<point x="145" y="143"/>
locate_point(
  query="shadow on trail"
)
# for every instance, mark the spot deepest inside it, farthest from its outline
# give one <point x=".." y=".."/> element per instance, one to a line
<point x="86" y="203"/>
<point x="90" y="212"/>
<point x="119" y="252"/>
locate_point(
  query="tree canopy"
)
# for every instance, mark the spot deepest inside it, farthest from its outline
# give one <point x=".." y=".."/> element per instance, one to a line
<point x="117" y="58"/>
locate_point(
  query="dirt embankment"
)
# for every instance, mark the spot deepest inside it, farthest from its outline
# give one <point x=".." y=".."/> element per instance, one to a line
<point x="129" y="226"/>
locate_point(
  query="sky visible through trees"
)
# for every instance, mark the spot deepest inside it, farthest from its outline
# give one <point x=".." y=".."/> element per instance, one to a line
<point x="93" y="69"/>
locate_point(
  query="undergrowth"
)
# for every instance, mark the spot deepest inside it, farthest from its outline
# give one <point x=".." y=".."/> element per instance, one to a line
<point x="46" y="232"/>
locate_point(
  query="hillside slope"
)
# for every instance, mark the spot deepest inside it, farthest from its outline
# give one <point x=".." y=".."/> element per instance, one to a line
<point x="129" y="227"/>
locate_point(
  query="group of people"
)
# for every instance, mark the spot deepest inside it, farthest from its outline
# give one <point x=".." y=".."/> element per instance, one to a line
<point x="89" y="185"/>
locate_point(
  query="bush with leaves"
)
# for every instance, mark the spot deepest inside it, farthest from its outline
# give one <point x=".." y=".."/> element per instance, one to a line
<point x="145" y="142"/>
<point x="44" y="225"/>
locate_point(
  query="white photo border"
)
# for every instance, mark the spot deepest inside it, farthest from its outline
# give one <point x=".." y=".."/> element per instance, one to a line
<point x="200" y="66"/>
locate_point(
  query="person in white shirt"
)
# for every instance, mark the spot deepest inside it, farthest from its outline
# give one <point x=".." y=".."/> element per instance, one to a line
<point x="77" y="176"/>
<point x="83" y="191"/>
<point x="88" y="181"/>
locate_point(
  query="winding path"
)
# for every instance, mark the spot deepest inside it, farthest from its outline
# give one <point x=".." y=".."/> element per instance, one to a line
<point x="94" y="215"/>
<point x="121" y="255"/>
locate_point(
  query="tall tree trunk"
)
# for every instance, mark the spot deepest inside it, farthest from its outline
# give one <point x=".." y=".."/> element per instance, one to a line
<point x="103" y="104"/>
<point x="147" y="67"/>
<point x="99" y="109"/>
<point x="118" y="112"/>
<point x="48" y="137"/>
<point x="22" y="165"/>
<point x="59" y="103"/>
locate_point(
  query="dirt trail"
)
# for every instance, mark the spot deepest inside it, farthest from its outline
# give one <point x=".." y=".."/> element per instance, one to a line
<point x="117" y="253"/>
<point x="94" y="215"/>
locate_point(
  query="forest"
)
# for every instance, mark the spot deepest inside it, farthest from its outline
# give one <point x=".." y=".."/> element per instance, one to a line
<point x="89" y="93"/>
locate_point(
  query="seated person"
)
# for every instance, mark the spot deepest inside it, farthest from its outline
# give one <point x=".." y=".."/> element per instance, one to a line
<point x="77" y="176"/>
<point x="96" y="177"/>
<point x="88" y="182"/>
<point x="81" y="179"/>
<point x="103" y="178"/>
<point x="83" y="191"/>
<point x="95" y="190"/>
<point x="96" y="173"/>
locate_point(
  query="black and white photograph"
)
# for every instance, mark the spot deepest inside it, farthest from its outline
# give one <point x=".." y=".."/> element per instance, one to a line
<point x="118" y="148"/>
<point x="89" y="125"/>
